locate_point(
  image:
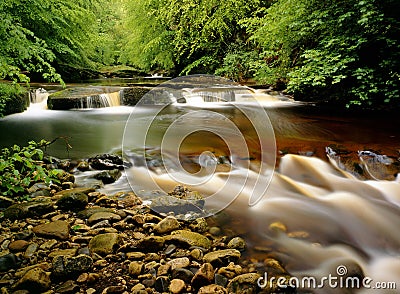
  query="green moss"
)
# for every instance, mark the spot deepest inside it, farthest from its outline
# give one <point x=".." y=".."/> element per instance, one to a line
<point x="13" y="99"/>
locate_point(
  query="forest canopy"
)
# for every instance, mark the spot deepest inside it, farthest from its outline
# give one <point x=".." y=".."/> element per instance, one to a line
<point x="341" y="51"/>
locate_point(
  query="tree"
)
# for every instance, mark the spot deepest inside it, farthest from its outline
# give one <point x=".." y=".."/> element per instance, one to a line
<point x="345" y="51"/>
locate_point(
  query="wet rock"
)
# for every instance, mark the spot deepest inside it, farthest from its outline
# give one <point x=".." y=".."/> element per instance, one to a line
<point x="7" y="262"/>
<point x="167" y="225"/>
<point x="179" y="263"/>
<point x="67" y="287"/>
<point x="66" y="177"/>
<point x="237" y="243"/>
<point x="67" y="185"/>
<point x="24" y="235"/>
<point x="30" y="250"/>
<point x="197" y="254"/>
<point x="100" y="216"/>
<point x="162" y="284"/>
<point x="222" y="257"/>
<point x="230" y="271"/>
<point x="189" y="238"/>
<point x="64" y="252"/>
<point x="183" y="274"/>
<point x="106" y="162"/>
<point x="88" y="212"/>
<point x="83" y="166"/>
<point x="28" y="209"/>
<point x="177" y="286"/>
<point x="204" y="276"/>
<point x="170" y="249"/>
<point x="67" y="266"/>
<point x="220" y="280"/>
<point x="73" y="201"/>
<point x="114" y="290"/>
<point x="135" y="268"/>
<point x="104" y="244"/>
<point x="150" y="243"/>
<point x="35" y="280"/>
<point x="246" y="283"/>
<point x="138" y="289"/>
<point x="215" y="231"/>
<point x="199" y="225"/>
<point x="108" y="177"/>
<point x="212" y="289"/>
<point x="5" y="202"/>
<point x="169" y="203"/>
<point x="58" y="229"/>
<point x="18" y="246"/>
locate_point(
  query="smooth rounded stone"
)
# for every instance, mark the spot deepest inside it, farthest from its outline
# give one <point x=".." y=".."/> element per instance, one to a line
<point x="5" y="202"/>
<point x="108" y="177"/>
<point x="73" y="201"/>
<point x="204" y="276"/>
<point x="167" y="203"/>
<point x="274" y="267"/>
<point x="30" y="250"/>
<point x="199" y="225"/>
<point x="230" y="271"/>
<point x="167" y="225"/>
<point x="106" y="162"/>
<point x="48" y="244"/>
<point x="83" y="166"/>
<point x="66" y="265"/>
<point x="162" y="284"/>
<point x="150" y="243"/>
<point x="170" y="249"/>
<point x="83" y="250"/>
<point x="28" y="209"/>
<point x="181" y="262"/>
<point x="100" y="216"/>
<point x="18" y="245"/>
<point x="104" y="244"/>
<point x="64" y="252"/>
<point x="277" y="227"/>
<point x="114" y="289"/>
<point x="183" y="274"/>
<point x="215" y="231"/>
<point x="67" y="287"/>
<point x="222" y="257"/>
<point x="197" y="254"/>
<point x="139" y="288"/>
<point x="135" y="255"/>
<point x="7" y="262"/>
<point x="189" y="238"/>
<point x="237" y="243"/>
<point x="82" y="278"/>
<point x="90" y="291"/>
<point x="35" y="280"/>
<point x="58" y="229"/>
<point x="152" y="257"/>
<point x="177" y="286"/>
<point x="220" y="280"/>
<point x="245" y="283"/>
<point x="212" y="289"/>
<point x="135" y="268"/>
<point x="88" y="212"/>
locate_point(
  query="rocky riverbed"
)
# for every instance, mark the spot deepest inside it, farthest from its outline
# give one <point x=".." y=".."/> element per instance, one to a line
<point x="68" y="239"/>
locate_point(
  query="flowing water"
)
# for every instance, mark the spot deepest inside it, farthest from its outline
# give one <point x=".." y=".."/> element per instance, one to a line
<point x="332" y="217"/>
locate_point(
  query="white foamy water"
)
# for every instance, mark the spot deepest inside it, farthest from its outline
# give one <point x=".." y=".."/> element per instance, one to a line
<point x="347" y="221"/>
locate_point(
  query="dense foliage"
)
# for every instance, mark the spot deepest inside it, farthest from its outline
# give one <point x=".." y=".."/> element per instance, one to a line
<point x="347" y="51"/>
<point x="342" y="51"/>
<point x="21" y="167"/>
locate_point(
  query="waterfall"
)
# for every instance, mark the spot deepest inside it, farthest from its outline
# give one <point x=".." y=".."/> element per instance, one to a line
<point x="101" y="100"/>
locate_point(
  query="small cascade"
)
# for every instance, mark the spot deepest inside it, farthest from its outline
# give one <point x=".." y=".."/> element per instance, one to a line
<point x="38" y="99"/>
<point x="101" y="100"/>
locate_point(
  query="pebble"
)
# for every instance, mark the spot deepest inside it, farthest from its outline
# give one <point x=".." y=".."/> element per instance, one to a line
<point x="177" y="286"/>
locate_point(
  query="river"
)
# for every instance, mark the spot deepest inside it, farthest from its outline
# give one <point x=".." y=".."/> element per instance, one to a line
<point x="332" y="217"/>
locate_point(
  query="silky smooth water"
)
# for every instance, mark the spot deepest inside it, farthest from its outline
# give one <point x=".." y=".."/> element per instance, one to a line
<point x="332" y="218"/>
